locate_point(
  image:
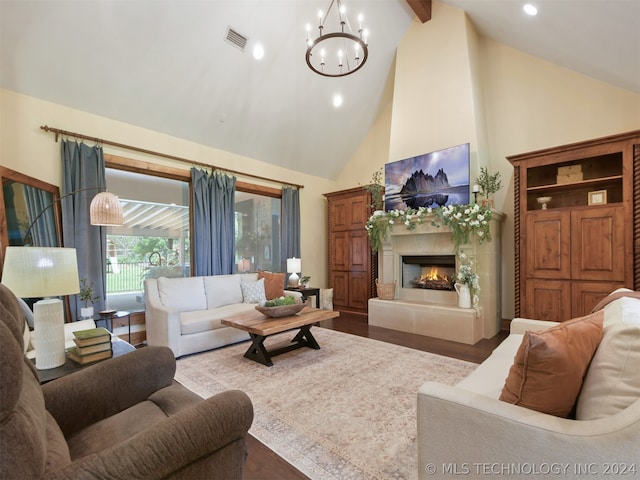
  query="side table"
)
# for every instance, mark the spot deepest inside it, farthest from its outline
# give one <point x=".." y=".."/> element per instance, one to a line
<point x="306" y="293"/>
<point x="109" y="316"/>
<point x="119" y="347"/>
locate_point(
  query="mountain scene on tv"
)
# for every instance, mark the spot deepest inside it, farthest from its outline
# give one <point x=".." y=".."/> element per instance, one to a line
<point x="432" y="180"/>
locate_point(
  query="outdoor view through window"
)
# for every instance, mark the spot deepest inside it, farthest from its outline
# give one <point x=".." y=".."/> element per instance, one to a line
<point x="154" y="240"/>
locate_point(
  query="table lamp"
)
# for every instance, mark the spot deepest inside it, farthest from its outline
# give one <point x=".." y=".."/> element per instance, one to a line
<point x="44" y="272"/>
<point x="294" y="265"/>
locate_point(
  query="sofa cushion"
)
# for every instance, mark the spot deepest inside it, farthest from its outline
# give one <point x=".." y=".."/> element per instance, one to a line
<point x="613" y="380"/>
<point x="206" y="320"/>
<point x="184" y="294"/>
<point x="550" y="365"/>
<point x="273" y="284"/>
<point x="222" y="290"/>
<point x="253" y="292"/>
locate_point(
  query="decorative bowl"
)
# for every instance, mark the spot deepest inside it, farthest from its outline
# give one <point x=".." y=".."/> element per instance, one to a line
<point x="544" y="201"/>
<point x="281" y="310"/>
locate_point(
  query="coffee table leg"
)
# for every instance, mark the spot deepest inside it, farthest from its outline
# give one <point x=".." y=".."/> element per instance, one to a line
<point x="304" y="337"/>
<point x="257" y="352"/>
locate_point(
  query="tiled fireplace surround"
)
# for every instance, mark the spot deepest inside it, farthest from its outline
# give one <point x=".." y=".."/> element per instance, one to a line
<point x="435" y="313"/>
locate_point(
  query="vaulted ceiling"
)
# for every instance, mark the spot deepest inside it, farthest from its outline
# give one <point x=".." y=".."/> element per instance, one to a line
<point x="165" y="65"/>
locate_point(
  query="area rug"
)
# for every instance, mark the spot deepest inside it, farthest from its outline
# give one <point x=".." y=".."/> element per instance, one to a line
<point x="346" y="411"/>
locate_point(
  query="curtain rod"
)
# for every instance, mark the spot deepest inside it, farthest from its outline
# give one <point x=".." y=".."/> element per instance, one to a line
<point x="59" y="132"/>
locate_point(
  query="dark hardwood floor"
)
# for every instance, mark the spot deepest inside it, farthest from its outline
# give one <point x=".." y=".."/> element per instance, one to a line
<point x="263" y="464"/>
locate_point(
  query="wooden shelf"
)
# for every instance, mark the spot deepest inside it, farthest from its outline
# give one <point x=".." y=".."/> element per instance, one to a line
<point x="583" y="183"/>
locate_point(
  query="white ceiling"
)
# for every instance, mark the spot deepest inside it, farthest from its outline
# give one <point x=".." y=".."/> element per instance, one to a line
<point x="165" y="66"/>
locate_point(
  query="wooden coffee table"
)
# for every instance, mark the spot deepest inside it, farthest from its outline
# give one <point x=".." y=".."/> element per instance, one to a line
<point x="260" y="327"/>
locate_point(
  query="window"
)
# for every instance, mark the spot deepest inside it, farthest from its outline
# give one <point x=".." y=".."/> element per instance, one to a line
<point x="154" y="240"/>
<point x="257" y="232"/>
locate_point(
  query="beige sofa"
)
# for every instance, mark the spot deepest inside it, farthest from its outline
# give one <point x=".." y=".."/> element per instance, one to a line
<point x="184" y="313"/>
<point x="466" y="430"/>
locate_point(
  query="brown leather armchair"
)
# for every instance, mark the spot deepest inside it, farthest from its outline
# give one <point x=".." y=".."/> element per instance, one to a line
<point x="122" y="418"/>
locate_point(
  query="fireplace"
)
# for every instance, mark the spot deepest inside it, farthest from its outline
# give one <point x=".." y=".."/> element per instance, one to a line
<point x="431" y="311"/>
<point x="432" y="272"/>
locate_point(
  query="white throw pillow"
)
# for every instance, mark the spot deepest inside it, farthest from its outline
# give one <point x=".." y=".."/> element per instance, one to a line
<point x="326" y="296"/>
<point x="184" y="294"/>
<point x="222" y="290"/>
<point x="612" y="382"/>
<point x="253" y="292"/>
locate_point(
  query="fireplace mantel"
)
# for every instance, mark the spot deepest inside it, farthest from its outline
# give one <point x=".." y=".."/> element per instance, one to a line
<point x="432" y="312"/>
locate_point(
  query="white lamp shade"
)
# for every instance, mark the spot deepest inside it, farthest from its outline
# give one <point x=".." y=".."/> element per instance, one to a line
<point x="294" y="265"/>
<point x="41" y="271"/>
<point x="106" y="210"/>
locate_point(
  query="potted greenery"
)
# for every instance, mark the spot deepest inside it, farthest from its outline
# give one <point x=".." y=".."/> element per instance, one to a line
<point x="304" y="281"/>
<point x="86" y="295"/>
<point x="376" y="189"/>
<point x="489" y="184"/>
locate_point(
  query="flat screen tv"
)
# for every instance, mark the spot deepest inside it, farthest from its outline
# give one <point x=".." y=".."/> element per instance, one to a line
<point x="432" y="180"/>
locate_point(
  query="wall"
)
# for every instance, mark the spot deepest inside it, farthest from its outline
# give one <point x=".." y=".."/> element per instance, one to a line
<point x="26" y="148"/>
<point x="453" y="86"/>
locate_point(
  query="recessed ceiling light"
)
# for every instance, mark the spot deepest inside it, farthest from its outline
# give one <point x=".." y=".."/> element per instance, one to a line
<point x="337" y="100"/>
<point x="258" y="51"/>
<point x="530" y="9"/>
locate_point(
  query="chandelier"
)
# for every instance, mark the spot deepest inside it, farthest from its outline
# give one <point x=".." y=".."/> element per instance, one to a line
<point x="338" y="53"/>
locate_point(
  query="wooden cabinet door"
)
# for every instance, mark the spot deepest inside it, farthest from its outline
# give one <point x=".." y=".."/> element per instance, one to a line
<point x="340" y="247"/>
<point x="547" y="243"/>
<point x="358" y="290"/>
<point x="359" y="253"/>
<point x="359" y="211"/>
<point x="339" y="214"/>
<point x="339" y="281"/>
<point x="597" y="250"/>
<point x="547" y="300"/>
<point x="586" y="295"/>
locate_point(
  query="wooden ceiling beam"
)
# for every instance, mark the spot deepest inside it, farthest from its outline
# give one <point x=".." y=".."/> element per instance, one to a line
<point x="422" y="8"/>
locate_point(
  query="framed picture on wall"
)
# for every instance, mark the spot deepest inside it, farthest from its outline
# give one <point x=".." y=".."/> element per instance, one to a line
<point x="598" y="197"/>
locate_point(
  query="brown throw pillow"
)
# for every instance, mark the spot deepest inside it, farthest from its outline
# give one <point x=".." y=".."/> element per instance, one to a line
<point x="273" y="283"/>
<point x="549" y="366"/>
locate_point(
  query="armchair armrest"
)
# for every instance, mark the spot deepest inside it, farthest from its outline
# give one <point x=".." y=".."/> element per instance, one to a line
<point x="106" y="388"/>
<point x="212" y="431"/>
<point x="297" y="296"/>
<point x="460" y="427"/>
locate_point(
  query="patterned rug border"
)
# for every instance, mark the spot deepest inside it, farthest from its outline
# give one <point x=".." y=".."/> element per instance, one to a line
<point x="344" y="411"/>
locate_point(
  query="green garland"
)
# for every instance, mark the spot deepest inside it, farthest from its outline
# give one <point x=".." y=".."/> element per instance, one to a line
<point x="463" y="221"/>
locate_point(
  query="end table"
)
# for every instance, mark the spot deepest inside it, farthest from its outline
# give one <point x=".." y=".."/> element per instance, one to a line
<point x="306" y="293"/>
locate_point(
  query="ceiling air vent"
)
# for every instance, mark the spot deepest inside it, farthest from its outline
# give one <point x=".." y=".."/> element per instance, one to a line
<point x="236" y="39"/>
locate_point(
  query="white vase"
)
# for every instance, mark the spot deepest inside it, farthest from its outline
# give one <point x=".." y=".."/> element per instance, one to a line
<point x="86" y="312"/>
<point x="464" y="295"/>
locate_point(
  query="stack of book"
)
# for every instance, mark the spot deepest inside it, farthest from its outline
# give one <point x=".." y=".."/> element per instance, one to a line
<point x="91" y="345"/>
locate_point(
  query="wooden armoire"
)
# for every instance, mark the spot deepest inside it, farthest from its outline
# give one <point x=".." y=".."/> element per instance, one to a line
<point x="586" y="242"/>
<point x="352" y="267"/>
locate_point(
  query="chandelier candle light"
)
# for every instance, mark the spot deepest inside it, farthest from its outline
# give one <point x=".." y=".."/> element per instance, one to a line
<point x="339" y="53"/>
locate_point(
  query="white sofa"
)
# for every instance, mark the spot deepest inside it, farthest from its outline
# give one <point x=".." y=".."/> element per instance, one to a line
<point x="465" y="430"/>
<point x="184" y="313"/>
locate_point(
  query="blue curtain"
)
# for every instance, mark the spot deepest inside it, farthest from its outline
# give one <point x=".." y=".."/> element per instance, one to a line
<point x="83" y="168"/>
<point x="290" y="221"/>
<point x="213" y="222"/>
<point x="43" y="231"/>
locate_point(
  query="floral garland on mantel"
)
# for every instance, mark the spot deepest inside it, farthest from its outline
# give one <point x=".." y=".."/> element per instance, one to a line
<point x="463" y="221"/>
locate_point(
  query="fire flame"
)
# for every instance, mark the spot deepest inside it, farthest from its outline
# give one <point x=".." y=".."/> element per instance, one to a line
<point x="434" y="274"/>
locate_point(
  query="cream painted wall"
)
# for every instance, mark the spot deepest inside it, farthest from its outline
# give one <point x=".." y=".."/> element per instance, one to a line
<point x="452" y="87"/>
<point x="532" y="104"/>
<point x="433" y="103"/>
<point x="26" y="148"/>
